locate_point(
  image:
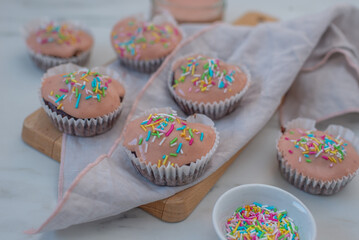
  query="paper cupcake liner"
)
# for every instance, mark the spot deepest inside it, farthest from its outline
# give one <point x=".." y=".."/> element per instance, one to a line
<point x="213" y="110"/>
<point x="148" y="66"/>
<point x="81" y="127"/>
<point x="175" y="175"/>
<point x="309" y="184"/>
<point x="45" y="62"/>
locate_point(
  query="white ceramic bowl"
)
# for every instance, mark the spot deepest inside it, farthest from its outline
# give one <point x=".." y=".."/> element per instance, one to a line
<point x="268" y="195"/>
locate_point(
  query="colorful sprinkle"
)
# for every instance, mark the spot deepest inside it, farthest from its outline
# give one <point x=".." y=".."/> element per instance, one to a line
<point x="179" y="148"/>
<point x="162" y="126"/>
<point x="132" y="42"/>
<point x="75" y="83"/>
<point x="78" y="100"/>
<point x="148" y="136"/>
<point x="257" y="221"/>
<point x="312" y="145"/>
<point x="57" y="33"/>
<point x="210" y="76"/>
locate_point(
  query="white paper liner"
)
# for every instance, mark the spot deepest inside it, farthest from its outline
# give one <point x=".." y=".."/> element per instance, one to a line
<point x="150" y="66"/>
<point x="45" y="62"/>
<point x="81" y="127"/>
<point x="215" y="110"/>
<point x="175" y="175"/>
<point x="144" y="66"/>
<point x="309" y="184"/>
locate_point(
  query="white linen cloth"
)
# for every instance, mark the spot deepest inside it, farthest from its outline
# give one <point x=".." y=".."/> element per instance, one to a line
<point x="98" y="187"/>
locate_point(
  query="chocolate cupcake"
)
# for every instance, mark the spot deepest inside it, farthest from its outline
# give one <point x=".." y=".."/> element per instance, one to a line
<point x="52" y="43"/>
<point x="143" y="45"/>
<point x="202" y="84"/>
<point x="315" y="161"/>
<point x="169" y="150"/>
<point x="82" y="102"/>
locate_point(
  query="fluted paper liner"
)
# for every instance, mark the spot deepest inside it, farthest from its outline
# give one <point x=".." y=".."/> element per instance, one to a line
<point x="81" y="127"/>
<point x="215" y="110"/>
<point x="150" y="66"/>
<point x="45" y="62"/>
<point x="309" y="184"/>
<point x="175" y="175"/>
<point x="145" y="66"/>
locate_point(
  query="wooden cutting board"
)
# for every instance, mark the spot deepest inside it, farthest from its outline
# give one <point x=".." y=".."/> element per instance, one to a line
<point x="39" y="133"/>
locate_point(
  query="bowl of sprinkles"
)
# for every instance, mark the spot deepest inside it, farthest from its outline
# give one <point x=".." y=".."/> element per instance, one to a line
<point x="317" y="162"/>
<point x="207" y="85"/>
<point x="258" y="211"/>
<point x="52" y="43"/>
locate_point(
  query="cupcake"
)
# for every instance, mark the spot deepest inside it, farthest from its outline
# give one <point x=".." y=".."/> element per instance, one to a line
<point x="53" y="43"/>
<point x="142" y="45"/>
<point x="201" y="84"/>
<point x="315" y="161"/>
<point x="82" y="102"/>
<point x="169" y="150"/>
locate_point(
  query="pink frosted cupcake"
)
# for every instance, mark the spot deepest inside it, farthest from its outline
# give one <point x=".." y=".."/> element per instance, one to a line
<point x="81" y="101"/>
<point x="315" y="161"/>
<point x="169" y="150"/>
<point x="207" y="85"/>
<point x="52" y="43"/>
<point x="144" y="45"/>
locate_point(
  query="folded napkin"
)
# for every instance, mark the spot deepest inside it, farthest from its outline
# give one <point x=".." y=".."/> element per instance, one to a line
<point x="328" y="85"/>
<point x="98" y="186"/>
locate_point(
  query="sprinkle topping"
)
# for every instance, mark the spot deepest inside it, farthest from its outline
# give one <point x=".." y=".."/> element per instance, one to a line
<point x="205" y="73"/>
<point x="167" y="130"/>
<point x="322" y="146"/>
<point x="80" y="86"/>
<point x="257" y="221"/>
<point x="57" y="33"/>
<point x="133" y="39"/>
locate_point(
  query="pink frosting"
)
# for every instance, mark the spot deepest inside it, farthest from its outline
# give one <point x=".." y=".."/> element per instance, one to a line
<point x="191" y="86"/>
<point x="139" y="40"/>
<point x="320" y="167"/>
<point x="62" y="41"/>
<point x="96" y="106"/>
<point x="191" y="149"/>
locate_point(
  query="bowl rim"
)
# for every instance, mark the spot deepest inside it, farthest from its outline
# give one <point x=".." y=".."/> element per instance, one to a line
<point x="259" y="185"/>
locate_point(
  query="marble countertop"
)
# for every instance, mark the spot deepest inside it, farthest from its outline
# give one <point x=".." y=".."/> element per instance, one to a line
<point x="28" y="179"/>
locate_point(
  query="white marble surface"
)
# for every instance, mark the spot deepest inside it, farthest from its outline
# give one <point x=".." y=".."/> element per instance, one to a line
<point x="28" y="179"/>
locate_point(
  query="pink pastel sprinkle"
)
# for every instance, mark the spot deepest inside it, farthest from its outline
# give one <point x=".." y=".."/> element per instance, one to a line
<point x="160" y="130"/>
<point x="189" y="89"/>
<point x="331" y="165"/>
<point x="64" y="90"/>
<point x="170" y="130"/>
